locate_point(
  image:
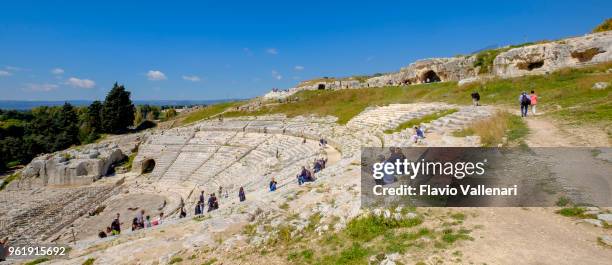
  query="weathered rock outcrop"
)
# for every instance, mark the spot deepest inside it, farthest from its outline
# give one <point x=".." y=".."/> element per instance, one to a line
<point x="73" y="166"/>
<point x="547" y="57"/>
<point x="532" y="59"/>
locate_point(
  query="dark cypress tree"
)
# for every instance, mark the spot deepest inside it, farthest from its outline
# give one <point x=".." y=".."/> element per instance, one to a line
<point x="118" y="110"/>
<point x="66" y="125"/>
<point x="94" y="116"/>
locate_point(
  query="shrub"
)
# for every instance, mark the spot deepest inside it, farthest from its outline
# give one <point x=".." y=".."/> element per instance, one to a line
<point x="604" y="26"/>
<point x="89" y="261"/>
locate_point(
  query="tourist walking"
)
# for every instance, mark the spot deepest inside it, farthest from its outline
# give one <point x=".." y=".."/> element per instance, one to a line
<point x="534" y="101"/>
<point x="525" y="101"/>
<point x="241" y="194"/>
<point x="475" y="98"/>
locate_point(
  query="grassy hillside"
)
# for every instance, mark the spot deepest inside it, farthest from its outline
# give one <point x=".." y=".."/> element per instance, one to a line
<point x="207" y="112"/>
<point x="564" y="94"/>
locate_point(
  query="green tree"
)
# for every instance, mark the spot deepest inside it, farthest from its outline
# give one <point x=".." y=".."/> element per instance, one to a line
<point x="66" y="129"/>
<point x="118" y="110"/>
<point x="94" y="116"/>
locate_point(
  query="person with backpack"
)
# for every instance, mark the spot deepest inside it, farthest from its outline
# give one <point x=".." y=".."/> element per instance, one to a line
<point x="534" y="102"/>
<point x="475" y="98"/>
<point x="525" y="101"/>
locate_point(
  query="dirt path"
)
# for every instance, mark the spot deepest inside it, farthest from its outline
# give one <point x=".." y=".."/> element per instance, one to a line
<point x="533" y="236"/>
<point x="544" y="133"/>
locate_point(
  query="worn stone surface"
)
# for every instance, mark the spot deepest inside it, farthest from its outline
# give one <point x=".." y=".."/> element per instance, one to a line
<point x="551" y="56"/>
<point x="527" y="60"/>
<point x="73" y="166"/>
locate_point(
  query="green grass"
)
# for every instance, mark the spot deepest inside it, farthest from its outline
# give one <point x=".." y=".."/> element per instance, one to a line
<point x="210" y="261"/>
<point x="563" y="201"/>
<point x="564" y="94"/>
<point x="175" y="260"/>
<point x="450" y="237"/>
<point x="8" y="180"/>
<point x="517" y="129"/>
<point x="37" y="261"/>
<point x="89" y="261"/>
<point x="572" y="211"/>
<point x="208" y="112"/>
<point x="366" y="228"/>
<point x="495" y="128"/>
<point x="425" y="119"/>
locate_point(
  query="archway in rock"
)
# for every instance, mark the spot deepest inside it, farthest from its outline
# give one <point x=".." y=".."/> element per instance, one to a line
<point x="321" y="87"/>
<point x="430" y="77"/>
<point x="148" y="166"/>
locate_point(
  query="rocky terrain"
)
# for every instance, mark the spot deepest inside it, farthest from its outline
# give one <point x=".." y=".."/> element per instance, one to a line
<point x="538" y="58"/>
<point x="70" y="196"/>
<point x="169" y="168"/>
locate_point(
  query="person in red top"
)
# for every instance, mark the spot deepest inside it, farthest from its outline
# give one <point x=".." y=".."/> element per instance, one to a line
<point x="534" y="102"/>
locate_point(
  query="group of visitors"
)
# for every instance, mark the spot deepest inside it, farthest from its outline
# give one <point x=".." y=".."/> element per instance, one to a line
<point x="139" y="222"/>
<point x="305" y="176"/>
<point x="322" y="142"/>
<point x="319" y="164"/>
<point x="212" y="202"/>
<point x="526" y="101"/>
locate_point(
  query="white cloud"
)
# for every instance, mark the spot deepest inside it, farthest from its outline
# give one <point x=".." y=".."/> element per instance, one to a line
<point x="5" y="73"/>
<point x="272" y="51"/>
<point x="298" y="68"/>
<point x="276" y="75"/>
<point x="192" y="78"/>
<point x="57" y="71"/>
<point x="155" y="75"/>
<point x="248" y="51"/>
<point x="82" y="83"/>
<point x="13" y="68"/>
<point x="40" y="87"/>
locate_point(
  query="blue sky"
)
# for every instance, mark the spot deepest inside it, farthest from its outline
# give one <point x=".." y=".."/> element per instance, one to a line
<point x="57" y="50"/>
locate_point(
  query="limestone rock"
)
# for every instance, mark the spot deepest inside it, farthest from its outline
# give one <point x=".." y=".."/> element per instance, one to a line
<point x="606" y="217"/>
<point x="72" y="166"/>
<point x="606" y="240"/>
<point x="600" y="85"/>
<point x="551" y="56"/>
<point x="594" y="222"/>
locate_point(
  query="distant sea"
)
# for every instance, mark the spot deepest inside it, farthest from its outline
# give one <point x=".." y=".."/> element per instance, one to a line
<point x="26" y="105"/>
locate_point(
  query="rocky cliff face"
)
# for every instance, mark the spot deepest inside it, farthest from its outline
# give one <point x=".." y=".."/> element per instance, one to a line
<point x="547" y="57"/>
<point x="531" y="59"/>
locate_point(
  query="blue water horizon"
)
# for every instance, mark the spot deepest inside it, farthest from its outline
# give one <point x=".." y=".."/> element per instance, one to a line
<point x="30" y="104"/>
